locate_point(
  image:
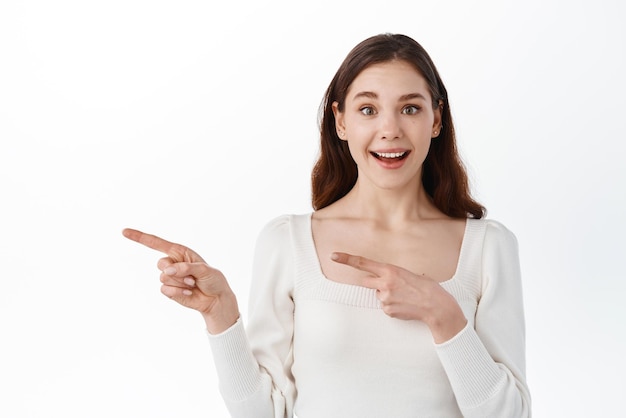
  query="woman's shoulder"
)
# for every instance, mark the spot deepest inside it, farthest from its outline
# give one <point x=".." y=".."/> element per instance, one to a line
<point x="497" y="230"/>
<point x="284" y="224"/>
<point x="496" y="235"/>
<point x="492" y="226"/>
<point x="286" y="219"/>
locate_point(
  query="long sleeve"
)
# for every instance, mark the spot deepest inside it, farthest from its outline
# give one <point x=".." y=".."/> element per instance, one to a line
<point x="254" y="367"/>
<point x="485" y="363"/>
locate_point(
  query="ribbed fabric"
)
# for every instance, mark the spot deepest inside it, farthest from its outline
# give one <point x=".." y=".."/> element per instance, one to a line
<point x="469" y="267"/>
<point x="310" y="282"/>
<point x="479" y="377"/>
<point x="235" y="364"/>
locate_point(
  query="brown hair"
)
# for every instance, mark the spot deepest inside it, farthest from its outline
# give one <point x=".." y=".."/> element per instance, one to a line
<point x="443" y="175"/>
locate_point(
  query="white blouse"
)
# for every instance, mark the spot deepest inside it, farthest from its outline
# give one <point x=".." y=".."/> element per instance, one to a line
<point x="316" y="348"/>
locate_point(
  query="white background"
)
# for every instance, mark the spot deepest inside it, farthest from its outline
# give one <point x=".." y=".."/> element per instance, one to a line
<point x="196" y="121"/>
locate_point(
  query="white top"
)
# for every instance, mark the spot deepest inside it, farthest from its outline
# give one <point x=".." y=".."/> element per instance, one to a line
<point x="322" y="349"/>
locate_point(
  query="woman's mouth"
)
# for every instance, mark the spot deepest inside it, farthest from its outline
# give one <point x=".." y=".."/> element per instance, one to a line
<point x="390" y="156"/>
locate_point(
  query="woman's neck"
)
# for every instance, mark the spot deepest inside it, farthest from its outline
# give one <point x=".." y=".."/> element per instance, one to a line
<point x="388" y="207"/>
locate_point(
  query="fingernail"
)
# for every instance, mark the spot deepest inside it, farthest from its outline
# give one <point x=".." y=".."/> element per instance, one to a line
<point x="187" y="292"/>
<point x="189" y="281"/>
<point x="334" y="256"/>
<point x="170" y="271"/>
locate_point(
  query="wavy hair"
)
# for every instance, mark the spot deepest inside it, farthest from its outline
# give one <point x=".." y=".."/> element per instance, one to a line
<point x="443" y="174"/>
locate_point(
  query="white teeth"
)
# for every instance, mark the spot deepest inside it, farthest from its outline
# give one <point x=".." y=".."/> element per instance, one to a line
<point x="390" y="154"/>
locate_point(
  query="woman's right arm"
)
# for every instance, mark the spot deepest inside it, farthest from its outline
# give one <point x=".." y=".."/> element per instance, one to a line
<point x="254" y="373"/>
<point x="255" y="368"/>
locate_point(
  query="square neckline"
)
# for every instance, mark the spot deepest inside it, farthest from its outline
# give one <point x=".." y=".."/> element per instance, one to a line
<point x="318" y="265"/>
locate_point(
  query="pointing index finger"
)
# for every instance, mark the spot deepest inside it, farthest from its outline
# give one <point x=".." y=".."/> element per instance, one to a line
<point x="358" y="262"/>
<point x="154" y="242"/>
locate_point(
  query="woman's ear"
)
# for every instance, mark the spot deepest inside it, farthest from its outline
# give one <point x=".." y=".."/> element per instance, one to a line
<point x="437" y="124"/>
<point x="339" y="121"/>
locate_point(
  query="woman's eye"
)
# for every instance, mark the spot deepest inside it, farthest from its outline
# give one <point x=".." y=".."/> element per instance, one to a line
<point x="410" y="110"/>
<point x="367" y="110"/>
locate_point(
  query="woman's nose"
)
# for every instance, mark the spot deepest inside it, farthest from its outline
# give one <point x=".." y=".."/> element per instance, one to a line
<point x="389" y="126"/>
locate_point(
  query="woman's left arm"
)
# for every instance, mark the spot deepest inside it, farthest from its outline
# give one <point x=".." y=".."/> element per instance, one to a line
<point x="486" y="363"/>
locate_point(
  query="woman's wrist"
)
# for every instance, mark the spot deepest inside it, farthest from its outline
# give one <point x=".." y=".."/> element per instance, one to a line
<point x="445" y="330"/>
<point x="223" y="315"/>
<point x="447" y="321"/>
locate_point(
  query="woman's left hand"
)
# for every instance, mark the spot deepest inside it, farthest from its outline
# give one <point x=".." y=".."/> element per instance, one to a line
<point x="406" y="295"/>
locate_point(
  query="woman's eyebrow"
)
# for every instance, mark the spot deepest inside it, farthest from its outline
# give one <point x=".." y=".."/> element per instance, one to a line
<point x="368" y="94"/>
<point x="403" y="98"/>
<point x="412" y="96"/>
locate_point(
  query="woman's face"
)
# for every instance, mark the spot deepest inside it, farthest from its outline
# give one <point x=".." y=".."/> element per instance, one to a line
<point x="388" y="121"/>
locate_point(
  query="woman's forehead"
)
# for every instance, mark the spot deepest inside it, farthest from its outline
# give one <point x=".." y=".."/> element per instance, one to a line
<point x="388" y="78"/>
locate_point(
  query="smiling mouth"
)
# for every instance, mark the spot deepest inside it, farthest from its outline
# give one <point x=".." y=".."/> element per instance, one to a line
<point x="388" y="156"/>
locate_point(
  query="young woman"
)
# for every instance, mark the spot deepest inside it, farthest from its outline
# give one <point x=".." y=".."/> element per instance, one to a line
<point x="394" y="298"/>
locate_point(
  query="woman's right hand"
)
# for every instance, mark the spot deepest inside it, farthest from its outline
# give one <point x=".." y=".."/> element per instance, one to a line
<point x="190" y="281"/>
